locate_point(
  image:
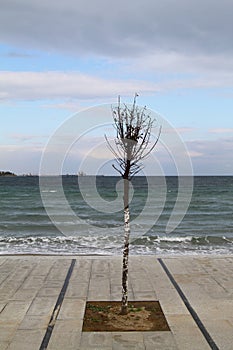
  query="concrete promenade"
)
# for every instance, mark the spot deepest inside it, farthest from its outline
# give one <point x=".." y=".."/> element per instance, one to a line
<point x="195" y="293"/>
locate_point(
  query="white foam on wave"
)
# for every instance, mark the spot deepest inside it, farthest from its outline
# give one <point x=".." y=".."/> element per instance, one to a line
<point x="108" y="245"/>
<point x="174" y="239"/>
<point x="49" y="191"/>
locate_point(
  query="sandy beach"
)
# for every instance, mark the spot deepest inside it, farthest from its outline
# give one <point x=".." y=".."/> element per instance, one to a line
<point x="195" y="293"/>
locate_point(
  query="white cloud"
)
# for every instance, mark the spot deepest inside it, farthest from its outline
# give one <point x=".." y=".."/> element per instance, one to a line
<point x="70" y="105"/>
<point x="173" y="62"/>
<point x="194" y="154"/>
<point x="221" y="131"/>
<point x="55" y="85"/>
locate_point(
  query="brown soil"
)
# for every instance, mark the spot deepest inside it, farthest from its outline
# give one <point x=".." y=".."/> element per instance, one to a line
<point x="104" y="316"/>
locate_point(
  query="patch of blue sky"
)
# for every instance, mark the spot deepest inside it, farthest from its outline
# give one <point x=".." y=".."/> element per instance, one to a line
<point x="29" y="119"/>
<point x="190" y="107"/>
<point x="16" y="59"/>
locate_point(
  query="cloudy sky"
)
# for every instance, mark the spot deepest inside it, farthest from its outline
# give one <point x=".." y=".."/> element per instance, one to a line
<point x="57" y="58"/>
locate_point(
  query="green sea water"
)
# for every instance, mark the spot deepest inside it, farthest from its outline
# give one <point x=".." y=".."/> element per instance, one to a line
<point x="25" y="226"/>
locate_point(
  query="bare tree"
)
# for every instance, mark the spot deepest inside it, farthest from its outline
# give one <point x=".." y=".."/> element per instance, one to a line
<point x="132" y="144"/>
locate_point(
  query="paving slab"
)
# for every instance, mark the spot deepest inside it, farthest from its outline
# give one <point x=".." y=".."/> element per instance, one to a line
<point x="72" y="309"/>
<point x="42" y="306"/>
<point x="186" y="333"/>
<point x="66" y="335"/>
<point x="159" y="341"/>
<point x="14" y="312"/>
<point x="30" y="287"/>
<point x="128" y="340"/>
<point x="96" y="340"/>
<point x="26" y="340"/>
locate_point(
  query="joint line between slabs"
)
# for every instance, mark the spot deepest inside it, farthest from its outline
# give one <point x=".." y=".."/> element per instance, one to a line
<point x="193" y="313"/>
<point x="57" y="307"/>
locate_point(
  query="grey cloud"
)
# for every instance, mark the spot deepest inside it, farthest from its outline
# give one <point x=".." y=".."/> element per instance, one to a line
<point x="16" y="55"/>
<point x="121" y="28"/>
<point x="25" y="138"/>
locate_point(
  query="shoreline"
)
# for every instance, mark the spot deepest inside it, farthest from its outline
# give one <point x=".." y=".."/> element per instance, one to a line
<point x="156" y="256"/>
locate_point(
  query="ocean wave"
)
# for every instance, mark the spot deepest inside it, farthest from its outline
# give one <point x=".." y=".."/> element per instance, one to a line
<point x="108" y="244"/>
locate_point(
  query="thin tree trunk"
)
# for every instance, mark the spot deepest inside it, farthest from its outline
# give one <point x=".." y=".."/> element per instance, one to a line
<point x="124" y="305"/>
<point x="132" y="144"/>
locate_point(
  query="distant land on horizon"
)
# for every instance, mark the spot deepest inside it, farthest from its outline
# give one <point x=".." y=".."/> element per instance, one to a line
<point x="81" y="174"/>
<point x="7" y="173"/>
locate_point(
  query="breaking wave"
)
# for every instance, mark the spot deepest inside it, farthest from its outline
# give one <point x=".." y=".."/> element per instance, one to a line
<point x="112" y="245"/>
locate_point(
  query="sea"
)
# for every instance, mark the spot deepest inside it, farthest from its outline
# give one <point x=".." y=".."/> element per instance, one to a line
<point x="58" y="216"/>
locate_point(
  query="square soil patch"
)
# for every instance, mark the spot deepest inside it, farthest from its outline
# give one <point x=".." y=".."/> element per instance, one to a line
<point x="104" y="316"/>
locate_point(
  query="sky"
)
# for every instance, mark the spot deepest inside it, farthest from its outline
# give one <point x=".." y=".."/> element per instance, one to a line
<point x="59" y="58"/>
